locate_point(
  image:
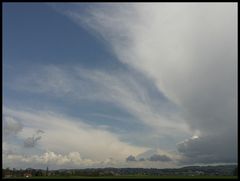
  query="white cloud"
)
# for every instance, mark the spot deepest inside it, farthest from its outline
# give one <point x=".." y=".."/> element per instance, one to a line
<point x="49" y="158"/>
<point x="64" y="135"/>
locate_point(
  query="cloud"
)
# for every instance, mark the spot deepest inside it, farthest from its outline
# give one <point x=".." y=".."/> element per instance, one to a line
<point x="11" y="126"/>
<point x="72" y="160"/>
<point x="128" y="90"/>
<point x="194" y="150"/>
<point x="154" y="155"/>
<point x="188" y="50"/>
<point x="159" y="155"/>
<point x="8" y="148"/>
<point x="143" y="160"/>
<point x="49" y="158"/>
<point x="130" y="158"/>
<point x="78" y="136"/>
<point x="32" y="141"/>
<point x="40" y="131"/>
<point x="162" y="158"/>
<point x="49" y="79"/>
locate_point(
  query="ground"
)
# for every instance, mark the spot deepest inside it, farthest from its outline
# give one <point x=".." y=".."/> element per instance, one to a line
<point x="132" y="177"/>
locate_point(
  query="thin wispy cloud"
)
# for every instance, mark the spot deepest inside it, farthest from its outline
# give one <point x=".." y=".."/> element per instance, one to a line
<point x="119" y="88"/>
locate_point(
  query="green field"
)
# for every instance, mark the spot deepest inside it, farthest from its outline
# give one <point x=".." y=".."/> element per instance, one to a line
<point x="129" y="177"/>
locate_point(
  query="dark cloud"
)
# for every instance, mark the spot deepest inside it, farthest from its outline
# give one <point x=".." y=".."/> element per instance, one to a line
<point x="130" y="158"/>
<point x="163" y="158"/>
<point x="209" y="149"/>
<point x="32" y="141"/>
<point x="154" y="157"/>
<point x="40" y="131"/>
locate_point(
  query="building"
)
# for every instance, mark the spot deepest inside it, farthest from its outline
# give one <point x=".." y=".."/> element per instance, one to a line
<point x="27" y="175"/>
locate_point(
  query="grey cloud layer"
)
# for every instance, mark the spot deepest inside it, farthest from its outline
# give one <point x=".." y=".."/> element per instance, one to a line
<point x="162" y="158"/>
<point x="209" y="149"/>
<point x="155" y="157"/>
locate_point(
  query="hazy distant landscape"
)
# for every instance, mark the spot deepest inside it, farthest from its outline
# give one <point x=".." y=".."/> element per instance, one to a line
<point x="221" y="171"/>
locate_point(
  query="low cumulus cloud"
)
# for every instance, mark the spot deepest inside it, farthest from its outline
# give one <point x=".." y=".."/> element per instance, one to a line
<point x="158" y="155"/>
<point x="163" y="158"/>
<point x="56" y="160"/>
<point x="48" y="158"/>
<point x="154" y="158"/>
<point x="131" y="158"/>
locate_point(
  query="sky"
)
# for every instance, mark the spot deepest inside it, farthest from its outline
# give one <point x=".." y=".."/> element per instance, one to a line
<point x="87" y="85"/>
